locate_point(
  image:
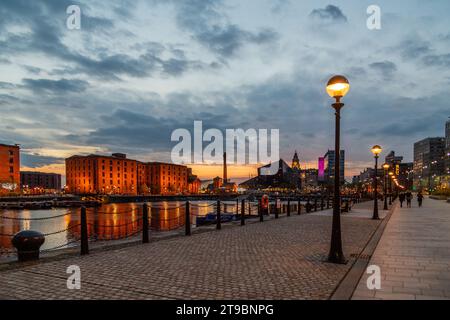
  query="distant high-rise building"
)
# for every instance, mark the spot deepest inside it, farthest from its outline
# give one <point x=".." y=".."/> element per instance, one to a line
<point x="406" y="176"/>
<point x="428" y="162"/>
<point x="311" y="178"/>
<point x="392" y="159"/>
<point x="329" y="171"/>
<point x="9" y="168"/>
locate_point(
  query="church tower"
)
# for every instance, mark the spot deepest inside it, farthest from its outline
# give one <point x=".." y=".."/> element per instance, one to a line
<point x="296" y="162"/>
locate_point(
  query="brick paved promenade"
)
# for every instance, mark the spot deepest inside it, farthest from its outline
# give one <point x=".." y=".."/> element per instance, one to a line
<point x="279" y="259"/>
<point x="414" y="255"/>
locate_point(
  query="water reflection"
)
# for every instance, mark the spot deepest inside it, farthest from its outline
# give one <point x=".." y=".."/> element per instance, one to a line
<point x="108" y="222"/>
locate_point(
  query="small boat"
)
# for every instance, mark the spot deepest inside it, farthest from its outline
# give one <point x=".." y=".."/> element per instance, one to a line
<point x="211" y="218"/>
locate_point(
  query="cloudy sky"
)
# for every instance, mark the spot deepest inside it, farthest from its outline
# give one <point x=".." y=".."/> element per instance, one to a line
<point x="137" y="70"/>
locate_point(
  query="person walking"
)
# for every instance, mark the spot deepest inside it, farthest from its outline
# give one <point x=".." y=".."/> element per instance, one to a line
<point x="420" y="199"/>
<point x="409" y="197"/>
<point x="402" y="199"/>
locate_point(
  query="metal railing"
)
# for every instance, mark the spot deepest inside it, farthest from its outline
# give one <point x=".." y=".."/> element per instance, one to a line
<point x="150" y="220"/>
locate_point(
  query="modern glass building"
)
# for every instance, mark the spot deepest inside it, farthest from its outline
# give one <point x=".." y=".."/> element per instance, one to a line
<point x="429" y="155"/>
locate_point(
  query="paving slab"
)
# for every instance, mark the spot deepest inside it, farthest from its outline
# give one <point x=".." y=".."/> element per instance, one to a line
<point x="277" y="259"/>
<point x="413" y="254"/>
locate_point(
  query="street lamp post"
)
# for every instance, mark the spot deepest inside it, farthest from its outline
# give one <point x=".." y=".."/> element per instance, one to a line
<point x="376" y="150"/>
<point x="391" y="176"/>
<point x="337" y="88"/>
<point x="386" y="168"/>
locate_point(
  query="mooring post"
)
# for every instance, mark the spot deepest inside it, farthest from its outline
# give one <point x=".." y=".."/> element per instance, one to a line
<point x="188" y="219"/>
<point x="308" y="205"/>
<point x="299" y="208"/>
<point x="243" y="213"/>
<point x="145" y="238"/>
<point x="289" y="208"/>
<point x="84" y="232"/>
<point x="219" y="218"/>
<point x="277" y="209"/>
<point x="261" y="211"/>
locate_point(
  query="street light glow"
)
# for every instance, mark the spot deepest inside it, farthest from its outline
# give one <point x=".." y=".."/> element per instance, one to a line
<point x="338" y="87"/>
<point x="376" y="150"/>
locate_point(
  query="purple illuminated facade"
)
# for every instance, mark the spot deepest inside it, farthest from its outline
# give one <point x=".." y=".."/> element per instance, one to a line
<point x="321" y="176"/>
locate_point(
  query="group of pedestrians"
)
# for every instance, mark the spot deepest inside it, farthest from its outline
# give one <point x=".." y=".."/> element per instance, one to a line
<point x="408" y="196"/>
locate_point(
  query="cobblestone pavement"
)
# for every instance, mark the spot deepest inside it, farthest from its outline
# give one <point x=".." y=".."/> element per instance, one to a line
<point x="414" y="255"/>
<point x="278" y="259"/>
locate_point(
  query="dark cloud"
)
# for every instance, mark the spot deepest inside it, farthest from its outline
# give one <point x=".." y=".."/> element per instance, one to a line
<point x="127" y="129"/>
<point x="386" y="68"/>
<point x="31" y="69"/>
<point x="227" y="40"/>
<point x="97" y="24"/>
<point x="210" y="26"/>
<point x="48" y="31"/>
<point x="55" y="86"/>
<point x="6" y="99"/>
<point x="35" y="160"/>
<point x="329" y="14"/>
<point x="7" y="85"/>
<point x="411" y="49"/>
<point x="442" y="60"/>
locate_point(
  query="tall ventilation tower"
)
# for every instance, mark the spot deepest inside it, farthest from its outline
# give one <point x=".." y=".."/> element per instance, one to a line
<point x="225" y="172"/>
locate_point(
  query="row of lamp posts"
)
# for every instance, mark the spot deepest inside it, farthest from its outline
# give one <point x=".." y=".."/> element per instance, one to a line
<point x="337" y="88"/>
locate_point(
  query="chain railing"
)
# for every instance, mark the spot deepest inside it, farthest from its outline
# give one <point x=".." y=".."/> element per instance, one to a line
<point x="151" y="220"/>
<point x="35" y="219"/>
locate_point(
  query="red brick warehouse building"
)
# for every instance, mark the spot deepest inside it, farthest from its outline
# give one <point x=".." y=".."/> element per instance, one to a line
<point x="9" y="168"/>
<point x="96" y="174"/>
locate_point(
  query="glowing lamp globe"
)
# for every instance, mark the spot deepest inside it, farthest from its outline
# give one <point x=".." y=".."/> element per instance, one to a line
<point x="338" y="87"/>
<point x="386" y="166"/>
<point x="376" y="150"/>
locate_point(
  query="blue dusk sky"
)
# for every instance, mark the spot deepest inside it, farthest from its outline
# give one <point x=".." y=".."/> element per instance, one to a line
<point x="137" y="70"/>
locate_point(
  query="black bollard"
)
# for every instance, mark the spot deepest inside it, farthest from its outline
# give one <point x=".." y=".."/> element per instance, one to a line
<point x="328" y="203"/>
<point x="322" y="204"/>
<point x="277" y="213"/>
<point x="315" y="204"/>
<point x="289" y="208"/>
<point x="27" y="244"/>
<point x="188" y="219"/>
<point x="243" y="213"/>
<point x="145" y="238"/>
<point x="261" y="212"/>
<point x="299" y="208"/>
<point x="219" y="217"/>
<point x="308" y="206"/>
<point x="84" y="232"/>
